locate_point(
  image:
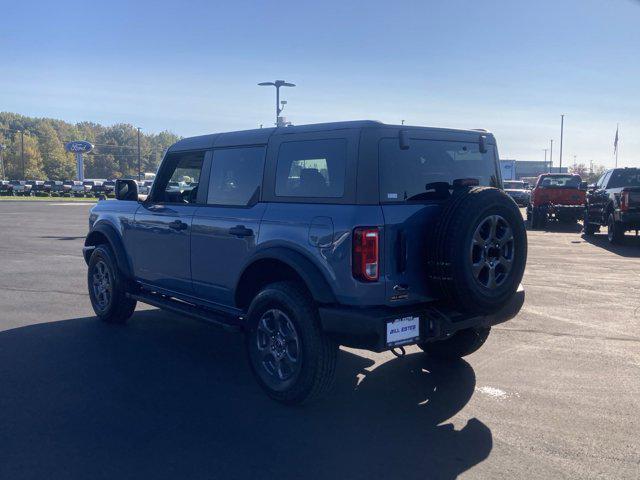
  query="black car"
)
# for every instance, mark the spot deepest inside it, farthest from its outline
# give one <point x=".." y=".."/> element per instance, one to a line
<point x="36" y="186"/>
<point x="614" y="202"/>
<point x="52" y="186"/>
<point x="109" y="187"/>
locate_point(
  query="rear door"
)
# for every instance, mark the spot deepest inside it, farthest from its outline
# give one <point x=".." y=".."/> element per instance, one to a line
<point x="411" y="208"/>
<point x="160" y="236"/>
<point x="225" y="228"/>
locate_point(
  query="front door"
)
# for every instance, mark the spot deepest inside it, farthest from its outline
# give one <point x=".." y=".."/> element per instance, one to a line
<point x="225" y="229"/>
<point x="161" y="233"/>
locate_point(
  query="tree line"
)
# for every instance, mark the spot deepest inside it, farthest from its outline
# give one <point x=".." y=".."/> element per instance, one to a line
<point x="34" y="148"/>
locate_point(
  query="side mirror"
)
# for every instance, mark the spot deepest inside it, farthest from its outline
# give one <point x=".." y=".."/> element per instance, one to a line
<point x="584" y="186"/>
<point x="127" y="190"/>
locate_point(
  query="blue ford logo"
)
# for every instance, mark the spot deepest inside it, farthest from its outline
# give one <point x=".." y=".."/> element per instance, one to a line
<point x="79" y="146"/>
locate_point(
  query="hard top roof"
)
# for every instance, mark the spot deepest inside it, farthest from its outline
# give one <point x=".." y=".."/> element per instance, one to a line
<point x="260" y="136"/>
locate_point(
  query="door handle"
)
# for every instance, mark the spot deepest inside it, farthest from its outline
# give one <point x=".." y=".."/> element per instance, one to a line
<point x="178" y="225"/>
<point x="241" y="231"/>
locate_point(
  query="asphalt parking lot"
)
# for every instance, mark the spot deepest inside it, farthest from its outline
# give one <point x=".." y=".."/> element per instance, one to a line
<point x="554" y="393"/>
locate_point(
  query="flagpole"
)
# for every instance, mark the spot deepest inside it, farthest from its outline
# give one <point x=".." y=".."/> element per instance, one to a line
<point x="617" y="141"/>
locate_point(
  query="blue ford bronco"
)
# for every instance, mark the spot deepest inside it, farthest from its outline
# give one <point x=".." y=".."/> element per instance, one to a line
<point x="308" y="237"/>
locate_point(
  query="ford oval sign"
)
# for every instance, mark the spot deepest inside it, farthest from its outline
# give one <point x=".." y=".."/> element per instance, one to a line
<point x="79" y="146"/>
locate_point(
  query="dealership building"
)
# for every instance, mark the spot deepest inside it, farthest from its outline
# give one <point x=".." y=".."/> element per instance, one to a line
<point x="519" y="169"/>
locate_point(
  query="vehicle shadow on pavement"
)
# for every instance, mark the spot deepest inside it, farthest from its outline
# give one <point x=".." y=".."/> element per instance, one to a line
<point x="557" y="227"/>
<point x="629" y="248"/>
<point x="165" y="397"/>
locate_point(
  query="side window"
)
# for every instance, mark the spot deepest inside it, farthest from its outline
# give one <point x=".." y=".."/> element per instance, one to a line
<point x="603" y="180"/>
<point x="236" y="175"/>
<point x="311" y="168"/>
<point x="178" y="182"/>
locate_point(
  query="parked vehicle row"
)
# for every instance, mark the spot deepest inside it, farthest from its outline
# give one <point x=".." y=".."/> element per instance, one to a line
<point x="612" y="202"/>
<point x="66" y="188"/>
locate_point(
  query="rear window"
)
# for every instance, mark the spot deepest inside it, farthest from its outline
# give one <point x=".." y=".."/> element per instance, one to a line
<point x="311" y="168"/>
<point x="624" y="178"/>
<point x="560" y="181"/>
<point x="404" y="174"/>
<point x="514" y="185"/>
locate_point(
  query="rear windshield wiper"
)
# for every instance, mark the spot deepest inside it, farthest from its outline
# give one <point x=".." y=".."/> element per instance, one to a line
<point x="441" y="190"/>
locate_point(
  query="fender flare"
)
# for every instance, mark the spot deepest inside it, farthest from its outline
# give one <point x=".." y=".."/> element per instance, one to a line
<point x="115" y="242"/>
<point x="305" y="268"/>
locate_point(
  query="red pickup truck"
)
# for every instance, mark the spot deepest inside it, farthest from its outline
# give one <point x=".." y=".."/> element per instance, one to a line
<point x="556" y="196"/>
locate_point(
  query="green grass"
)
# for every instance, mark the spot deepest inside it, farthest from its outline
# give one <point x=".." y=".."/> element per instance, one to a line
<point x="47" y="199"/>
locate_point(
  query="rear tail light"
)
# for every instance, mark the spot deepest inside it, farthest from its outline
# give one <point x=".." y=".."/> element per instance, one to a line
<point x="624" y="201"/>
<point x="366" y="254"/>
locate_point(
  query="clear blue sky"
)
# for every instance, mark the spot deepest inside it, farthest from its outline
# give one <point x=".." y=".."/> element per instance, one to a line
<point x="192" y="67"/>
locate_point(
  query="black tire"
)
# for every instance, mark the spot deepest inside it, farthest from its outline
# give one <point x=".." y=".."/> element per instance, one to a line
<point x="615" y="232"/>
<point x="534" y="219"/>
<point x="538" y="219"/>
<point x="459" y="345"/>
<point x="292" y="359"/>
<point x="107" y="287"/>
<point x="588" y="228"/>
<point x="467" y="270"/>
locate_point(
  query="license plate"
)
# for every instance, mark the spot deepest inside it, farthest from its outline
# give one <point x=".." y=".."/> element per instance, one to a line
<point x="403" y="330"/>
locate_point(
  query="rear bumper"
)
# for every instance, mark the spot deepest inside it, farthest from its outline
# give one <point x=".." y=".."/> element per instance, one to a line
<point x="367" y="327"/>
<point x="631" y="220"/>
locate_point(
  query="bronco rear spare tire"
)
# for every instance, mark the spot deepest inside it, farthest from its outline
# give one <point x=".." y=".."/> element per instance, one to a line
<point x="478" y="250"/>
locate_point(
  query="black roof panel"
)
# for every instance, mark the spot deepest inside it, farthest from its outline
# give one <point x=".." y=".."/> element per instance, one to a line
<point x="260" y="136"/>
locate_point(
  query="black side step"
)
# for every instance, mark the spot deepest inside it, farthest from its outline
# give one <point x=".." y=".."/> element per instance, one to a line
<point x="226" y="322"/>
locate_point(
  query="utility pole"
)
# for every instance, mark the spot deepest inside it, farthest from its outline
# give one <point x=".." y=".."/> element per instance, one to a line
<point x="551" y="156"/>
<point x="139" y="162"/>
<point x="280" y="121"/>
<point x="22" y="152"/>
<point x="561" y="137"/>
<point x="2" y="147"/>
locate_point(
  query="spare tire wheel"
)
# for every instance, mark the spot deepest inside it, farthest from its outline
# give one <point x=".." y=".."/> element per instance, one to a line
<point x="478" y="250"/>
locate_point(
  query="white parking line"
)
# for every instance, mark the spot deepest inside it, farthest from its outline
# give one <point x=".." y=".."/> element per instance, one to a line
<point x="69" y="203"/>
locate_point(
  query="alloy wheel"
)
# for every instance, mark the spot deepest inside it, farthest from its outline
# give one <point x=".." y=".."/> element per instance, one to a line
<point x="492" y="252"/>
<point x="102" y="285"/>
<point x="278" y="347"/>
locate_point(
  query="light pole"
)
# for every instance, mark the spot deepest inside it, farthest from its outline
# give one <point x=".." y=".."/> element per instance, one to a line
<point x="280" y="122"/>
<point x="22" y="152"/>
<point x="545" y="158"/>
<point x="551" y="156"/>
<point x="561" y="136"/>
<point x="2" y="147"/>
<point x="139" y="163"/>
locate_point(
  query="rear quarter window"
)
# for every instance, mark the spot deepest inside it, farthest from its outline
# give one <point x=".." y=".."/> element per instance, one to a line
<point x="403" y="174"/>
